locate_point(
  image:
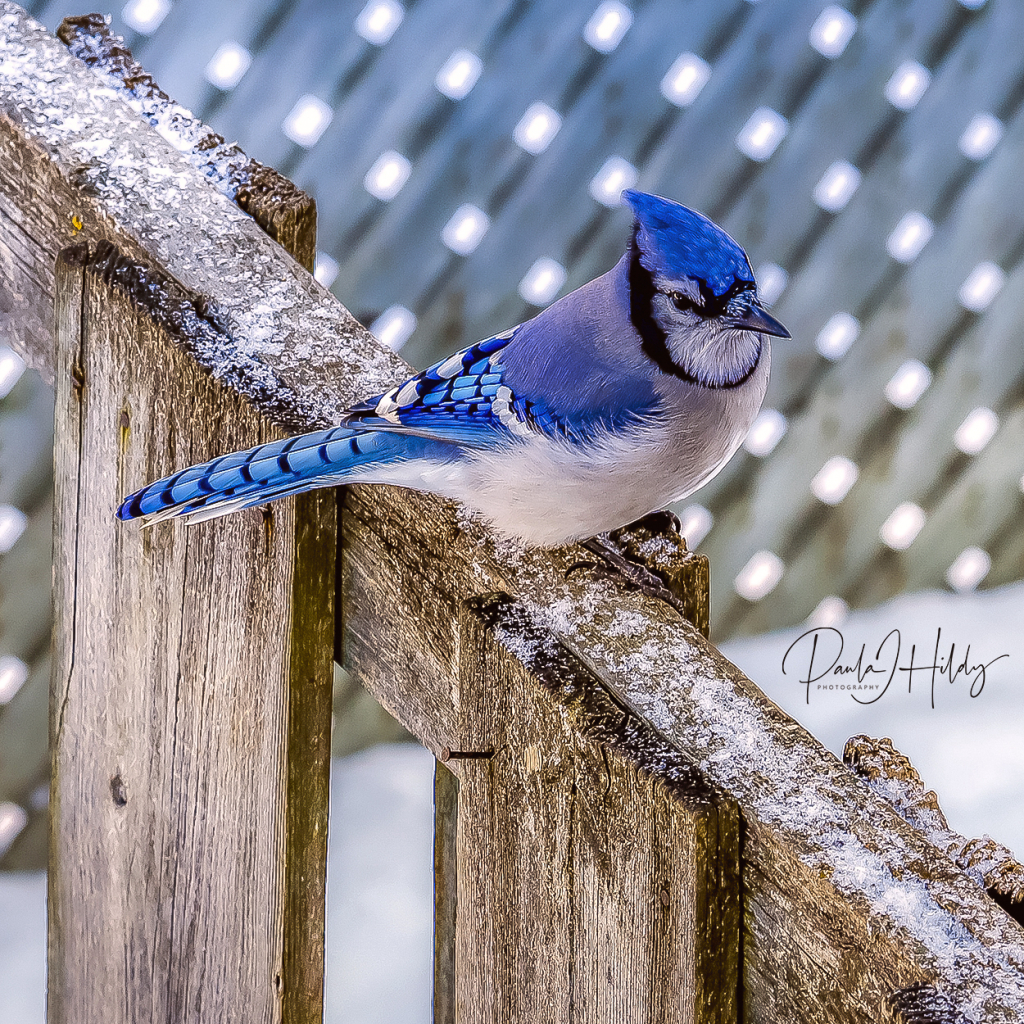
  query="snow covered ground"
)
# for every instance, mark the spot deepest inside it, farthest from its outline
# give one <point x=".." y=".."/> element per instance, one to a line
<point x="970" y="749"/>
<point x="380" y="887"/>
<point x="22" y="947"/>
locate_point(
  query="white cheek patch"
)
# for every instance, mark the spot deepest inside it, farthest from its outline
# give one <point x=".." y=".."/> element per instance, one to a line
<point x="720" y="355"/>
<point x="704" y="347"/>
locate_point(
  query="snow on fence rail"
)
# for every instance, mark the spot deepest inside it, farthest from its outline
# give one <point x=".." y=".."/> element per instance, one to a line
<point x="627" y="828"/>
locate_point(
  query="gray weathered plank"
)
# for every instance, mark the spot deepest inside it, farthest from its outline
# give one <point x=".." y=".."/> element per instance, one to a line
<point x="758" y="53"/>
<point x="26" y="456"/>
<point x="190" y="709"/>
<point x="597" y="874"/>
<point x="86" y="202"/>
<point x="892" y="775"/>
<point x="289" y="217"/>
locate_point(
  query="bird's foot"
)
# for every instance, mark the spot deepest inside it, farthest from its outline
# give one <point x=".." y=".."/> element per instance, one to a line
<point x="637" y="574"/>
<point x="652" y="556"/>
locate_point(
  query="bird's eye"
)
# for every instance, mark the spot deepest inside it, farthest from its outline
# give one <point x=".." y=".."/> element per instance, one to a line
<point x="684" y="302"/>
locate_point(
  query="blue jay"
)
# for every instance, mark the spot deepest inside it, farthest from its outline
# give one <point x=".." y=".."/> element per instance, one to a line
<point x="624" y="395"/>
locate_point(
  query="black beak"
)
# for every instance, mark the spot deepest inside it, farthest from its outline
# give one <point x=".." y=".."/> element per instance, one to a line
<point x="756" y="319"/>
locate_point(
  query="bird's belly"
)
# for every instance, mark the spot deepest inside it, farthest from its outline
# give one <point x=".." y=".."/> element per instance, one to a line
<point x="551" y="494"/>
<point x="554" y="507"/>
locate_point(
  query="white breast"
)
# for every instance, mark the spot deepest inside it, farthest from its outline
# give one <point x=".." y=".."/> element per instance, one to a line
<point x="550" y="492"/>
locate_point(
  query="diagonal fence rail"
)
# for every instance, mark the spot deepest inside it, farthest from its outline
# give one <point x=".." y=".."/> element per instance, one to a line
<point x="628" y="830"/>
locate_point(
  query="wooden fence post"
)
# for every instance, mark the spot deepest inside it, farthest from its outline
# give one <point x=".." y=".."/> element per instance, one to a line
<point x="596" y="874"/>
<point x="191" y="693"/>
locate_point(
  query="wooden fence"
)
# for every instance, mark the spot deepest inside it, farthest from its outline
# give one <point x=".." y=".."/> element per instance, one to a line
<point x="627" y="828"/>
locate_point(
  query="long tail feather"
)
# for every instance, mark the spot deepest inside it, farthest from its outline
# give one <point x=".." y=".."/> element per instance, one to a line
<point x="261" y="474"/>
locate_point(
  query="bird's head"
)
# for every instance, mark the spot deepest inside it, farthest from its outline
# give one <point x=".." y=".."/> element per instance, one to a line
<point x="693" y="297"/>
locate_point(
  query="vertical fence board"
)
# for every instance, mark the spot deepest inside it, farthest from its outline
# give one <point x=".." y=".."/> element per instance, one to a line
<point x="190" y="705"/>
<point x="587" y="889"/>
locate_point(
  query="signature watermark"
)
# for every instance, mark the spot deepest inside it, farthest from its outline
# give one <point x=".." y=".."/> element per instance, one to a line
<point x="817" y="658"/>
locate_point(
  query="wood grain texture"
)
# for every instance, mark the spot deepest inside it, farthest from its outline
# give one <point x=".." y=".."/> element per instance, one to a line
<point x="597" y="873"/>
<point x="190" y="709"/>
<point x="892" y="775"/>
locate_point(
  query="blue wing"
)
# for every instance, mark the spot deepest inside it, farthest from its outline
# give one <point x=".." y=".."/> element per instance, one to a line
<point x="462" y="399"/>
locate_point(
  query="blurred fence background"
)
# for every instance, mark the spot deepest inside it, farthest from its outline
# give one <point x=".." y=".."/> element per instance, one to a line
<point x="467" y="160"/>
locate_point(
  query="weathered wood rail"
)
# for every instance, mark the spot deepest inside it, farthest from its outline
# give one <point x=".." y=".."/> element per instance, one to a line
<point x="628" y="829"/>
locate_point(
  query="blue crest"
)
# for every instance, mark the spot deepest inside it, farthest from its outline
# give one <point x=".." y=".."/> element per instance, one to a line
<point x="678" y="243"/>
